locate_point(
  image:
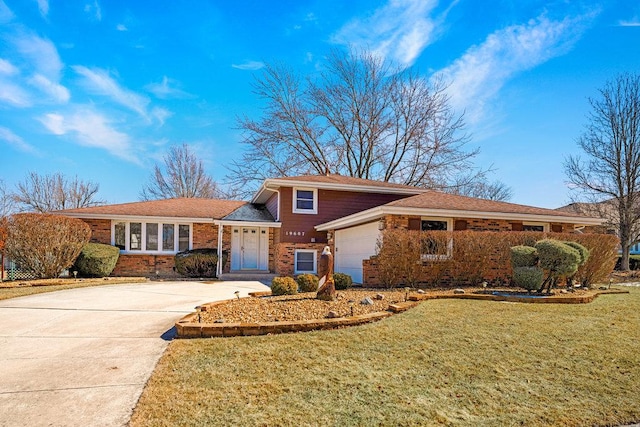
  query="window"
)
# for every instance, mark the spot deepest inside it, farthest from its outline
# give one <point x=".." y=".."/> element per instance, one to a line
<point x="305" y="201"/>
<point x="535" y="226"/>
<point x="150" y="237"/>
<point x="120" y="235"/>
<point x="305" y="261"/>
<point x="135" y="236"/>
<point x="183" y="237"/>
<point x="436" y="246"/>
<point x="168" y="237"/>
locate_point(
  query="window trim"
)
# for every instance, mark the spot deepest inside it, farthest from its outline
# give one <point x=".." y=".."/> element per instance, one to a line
<point x="143" y="250"/>
<point x="294" y="197"/>
<point x="315" y="261"/>
<point x="433" y="257"/>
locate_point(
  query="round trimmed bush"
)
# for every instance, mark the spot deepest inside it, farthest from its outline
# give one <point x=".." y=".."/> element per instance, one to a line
<point x="558" y="258"/>
<point x="523" y="256"/>
<point x="197" y="262"/>
<point x="342" y="281"/>
<point x="529" y="278"/>
<point x="307" y="282"/>
<point x="96" y="260"/>
<point x="584" y="252"/>
<point x="284" y="286"/>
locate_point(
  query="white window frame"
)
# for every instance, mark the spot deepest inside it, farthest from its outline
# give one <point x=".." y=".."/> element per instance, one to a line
<point x="432" y="257"/>
<point x="315" y="261"/>
<point x="545" y="225"/>
<point x="295" y="199"/>
<point x="143" y="250"/>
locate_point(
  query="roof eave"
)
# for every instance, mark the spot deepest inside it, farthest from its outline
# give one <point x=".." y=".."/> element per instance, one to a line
<point x="275" y="183"/>
<point x="136" y="217"/>
<point x="376" y="213"/>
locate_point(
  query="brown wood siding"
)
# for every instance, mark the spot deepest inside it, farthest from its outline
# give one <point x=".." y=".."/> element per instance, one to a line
<point x="517" y="226"/>
<point x="272" y="206"/>
<point x="299" y="228"/>
<point x="460" y="224"/>
<point x="415" y="224"/>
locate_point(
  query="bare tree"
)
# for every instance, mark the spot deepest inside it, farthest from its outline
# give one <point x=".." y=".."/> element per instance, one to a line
<point x="360" y="118"/>
<point x="611" y="172"/>
<point x="183" y="175"/>
<point x="7" y="202"/>
<point x="483" y="189"/>
<point x="46" y="193"/>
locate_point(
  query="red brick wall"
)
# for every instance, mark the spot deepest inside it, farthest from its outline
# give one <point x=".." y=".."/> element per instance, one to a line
<point x="100" y="230"/>
<point x="145" y="265"/>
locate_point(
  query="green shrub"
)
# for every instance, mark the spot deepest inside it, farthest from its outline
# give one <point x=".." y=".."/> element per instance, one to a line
<point x="584" y="252"/>
<point x="197" y="262"/>
<point x="556" y="257"/>
<point x="284" y="286"/>
<point x="96" y="260"/>
<point x="307" y="282"/>
<point x="634" y="262"/>
<point x="342" y="281"/>
<point x="524" y="256"/>
<point x="529" y="278"/>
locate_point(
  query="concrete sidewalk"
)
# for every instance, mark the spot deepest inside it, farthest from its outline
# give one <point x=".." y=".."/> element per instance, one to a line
<point x="82" y="357"/>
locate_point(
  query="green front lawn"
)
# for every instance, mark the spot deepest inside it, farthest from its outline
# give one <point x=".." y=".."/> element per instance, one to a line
<point x="446" y="362"/>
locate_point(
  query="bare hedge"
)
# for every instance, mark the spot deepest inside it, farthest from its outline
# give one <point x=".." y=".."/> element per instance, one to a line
<point x="44" y="244"/>
<point x="472" y="257"/>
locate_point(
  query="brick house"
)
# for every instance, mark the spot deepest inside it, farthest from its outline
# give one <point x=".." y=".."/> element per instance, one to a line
<point x="284" y="227"/>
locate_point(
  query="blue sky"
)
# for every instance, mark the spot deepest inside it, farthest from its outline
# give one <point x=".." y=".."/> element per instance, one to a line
<point x="100" y="89"/>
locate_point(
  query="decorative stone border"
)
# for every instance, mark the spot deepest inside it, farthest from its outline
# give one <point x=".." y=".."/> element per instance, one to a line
<point x="189" y="327"/>
<point x="566" y="299"/>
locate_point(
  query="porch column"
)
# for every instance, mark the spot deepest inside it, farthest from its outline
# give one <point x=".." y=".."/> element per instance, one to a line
<point x="219" y="265"/>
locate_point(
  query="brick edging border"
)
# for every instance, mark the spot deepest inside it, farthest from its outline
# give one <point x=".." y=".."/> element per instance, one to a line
<point x="189" y="327"/>
<point x="577" y="299"/>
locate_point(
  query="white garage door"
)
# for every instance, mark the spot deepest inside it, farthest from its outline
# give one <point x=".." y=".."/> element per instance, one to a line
<point x="354" y="245"/>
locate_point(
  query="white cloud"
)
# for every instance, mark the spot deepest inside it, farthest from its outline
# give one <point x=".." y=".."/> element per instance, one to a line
<point x="121" y="27"/>
<point x="100" y="82"/>
<point x="7" y="68"/>
<point x="6" y="15"/>
<point x="13" y="94"/>
<point x="43" y="7"/>
<point x="399" y="31"/>
<point x="483" y="70"/>
<point x="167" y="89"/>
<point x="249" y="65"/>
<point x="161" y="114"/>
<point x="635" y="22"/>
<point x="91" y="129"/>
<point x="56" y="91"/>
<point x="13" y="139"/>
<point x="93" y="9"/>
<point x="42" y="55"/>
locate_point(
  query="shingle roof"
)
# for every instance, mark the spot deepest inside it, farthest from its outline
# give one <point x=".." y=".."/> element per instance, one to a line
<point x="346" y="180"/>
<point x="170" y="208"/>
<point x="446" y="201"/>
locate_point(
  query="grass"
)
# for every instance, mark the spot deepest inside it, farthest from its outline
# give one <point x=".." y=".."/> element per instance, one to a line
<point x="445" y="362"/>
<point x="31" y="287"/>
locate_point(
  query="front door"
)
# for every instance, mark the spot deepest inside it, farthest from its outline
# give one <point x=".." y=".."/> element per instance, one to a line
<point x="249" y="248"/>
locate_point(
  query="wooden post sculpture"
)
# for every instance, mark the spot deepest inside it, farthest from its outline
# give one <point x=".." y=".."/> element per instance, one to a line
<point x="326" y="286"/>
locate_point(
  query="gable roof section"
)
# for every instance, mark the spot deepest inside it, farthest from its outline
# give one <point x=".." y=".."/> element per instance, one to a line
<point x="333" y="182"/>
<point x="184" y="208"/>
<point x="437" y="204"/>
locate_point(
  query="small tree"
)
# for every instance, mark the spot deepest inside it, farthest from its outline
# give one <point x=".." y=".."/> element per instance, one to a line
<point x="526" y="273"/>
<point x="44" y="244"/>
<point x="47" y="193"/>
<point x="183" y="175"/>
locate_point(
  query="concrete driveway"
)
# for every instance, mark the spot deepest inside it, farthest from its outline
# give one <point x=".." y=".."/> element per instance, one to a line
<point x="82" y="357"/>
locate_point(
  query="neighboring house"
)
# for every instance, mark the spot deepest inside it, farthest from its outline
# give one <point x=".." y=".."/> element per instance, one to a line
<point x="284" y="228"/>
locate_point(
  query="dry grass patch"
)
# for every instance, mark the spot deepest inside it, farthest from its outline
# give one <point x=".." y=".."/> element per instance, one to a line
<point x="21" y="288"/>
<point x="445" y="362"/>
